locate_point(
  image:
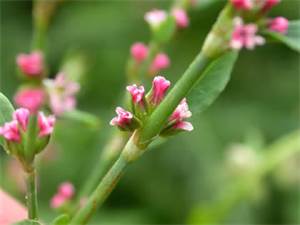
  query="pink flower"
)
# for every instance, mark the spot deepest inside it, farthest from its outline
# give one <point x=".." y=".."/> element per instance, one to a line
<point x="279" y="24"/>
<point x="32" y="99"/>
<point x="268" y="4"/>
<point x="62" y="93"/>
<point x="67" y="190"/>
<point x="10" y="131"/>
<point x="160" y="62"/>
<point x="181" y="17"/>
<point x="245" y="35"/>
<point x="46" y="124"/>
<point x="159" y="87"/>
<point x="139" y="52"/>
<point x="123" y="118"/>
<point x="183" y="125"/>
<point x="31" y="64"/>
<point x="242" y="4"/>
<point x="57" y="201"/>
<point x="22" y="116"/>
<point x="155" y="17"/>
<point x="181" y="112"/>
<point x="137" y="93"/>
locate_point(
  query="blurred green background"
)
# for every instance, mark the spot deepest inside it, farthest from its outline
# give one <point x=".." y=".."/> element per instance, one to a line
<point x="170" y="183"/>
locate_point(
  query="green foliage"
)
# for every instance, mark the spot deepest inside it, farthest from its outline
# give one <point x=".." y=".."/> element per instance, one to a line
<point x="6" y="111"/>
<point x="292" y="38"/>
<point x="213" y="82"/>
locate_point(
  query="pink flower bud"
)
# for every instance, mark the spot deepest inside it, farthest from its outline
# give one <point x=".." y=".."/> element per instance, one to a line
<point x="160" y="62"/>
<point x="22" y="116"/>
<point x="67" y="190"/>
<point x="123" y="118"/>
<point x="45" y="124"/>
<point x="181" y="17"/>
<point x="32" y="99"/>
<point x="279" y="24"/>
<point x="242" y="4"/>
<point x="57" y="201"/>
<point x="155" y="17"/>
<point x="137" y="93"/>
<point x="181" y="112"/>
<point x="139" y="52"/>
<point x="159" y="87"/>
<point x="183" y="125"/>
<point x="31" y="64"/>
<point x="245" y="35"/>
<point x="10" y="131"/>
<point x="268" y="4"/>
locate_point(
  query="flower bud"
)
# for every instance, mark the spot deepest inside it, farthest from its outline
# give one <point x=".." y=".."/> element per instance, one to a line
<point x="139" y="52"/>
<point x="57" y="201"/>
<point x="242" y="4"/>
<point x="160" y="62"/>
<point x="46" y="124"/>
<point x="124" y="120"/>
<point x="30" y="98"/>
<point x="244" y="35"/>
<point x="155" y="18"/>
<point x="22" y="116"/>
<point x="279" y="24"/>
<point x="137" y="93"/>
<point x="31" y="65"/>
<point x="66" y="189"/>
<point x="10" y="131"/>
<point x="177" y="121"/>
<point x="181" y="18"/>
<point x="159" y="87"/>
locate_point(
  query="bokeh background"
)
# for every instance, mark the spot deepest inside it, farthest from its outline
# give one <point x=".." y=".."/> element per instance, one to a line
<point x="181" y="180"/>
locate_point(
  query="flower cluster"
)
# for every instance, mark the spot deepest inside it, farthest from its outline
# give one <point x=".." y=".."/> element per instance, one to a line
<point x="58" y="94"/>
<point x="246" y="35"/>
<point x="144" y="104"/>
<point x="27" y="134"/>
<point x="65" y="193"/>
<point x="14" y="130"/>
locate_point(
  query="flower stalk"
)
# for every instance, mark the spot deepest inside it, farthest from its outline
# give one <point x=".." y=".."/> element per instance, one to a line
<point x="31" y="196"/>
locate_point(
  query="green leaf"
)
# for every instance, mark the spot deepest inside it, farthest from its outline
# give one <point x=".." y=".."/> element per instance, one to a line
<point x="212" y="83"/>
<point x="291" y="39"/>
<point x="28" y="222"/>
<point x="83" y="117"/>
<point x="63" y="219"/>
<point x="6" y="111"/>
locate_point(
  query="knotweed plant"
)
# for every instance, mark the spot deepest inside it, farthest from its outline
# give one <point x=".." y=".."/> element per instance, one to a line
<point x="144" y="116"/>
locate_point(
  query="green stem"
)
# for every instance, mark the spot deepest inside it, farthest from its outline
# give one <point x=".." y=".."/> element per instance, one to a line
<point x="31" y="197"/>
<point x="101" y="193"/>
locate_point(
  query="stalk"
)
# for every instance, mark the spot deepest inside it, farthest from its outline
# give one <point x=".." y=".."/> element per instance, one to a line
<point x="107" y="157"/>
<point x="103" y="190"/>
<point x="31" y="196"/>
